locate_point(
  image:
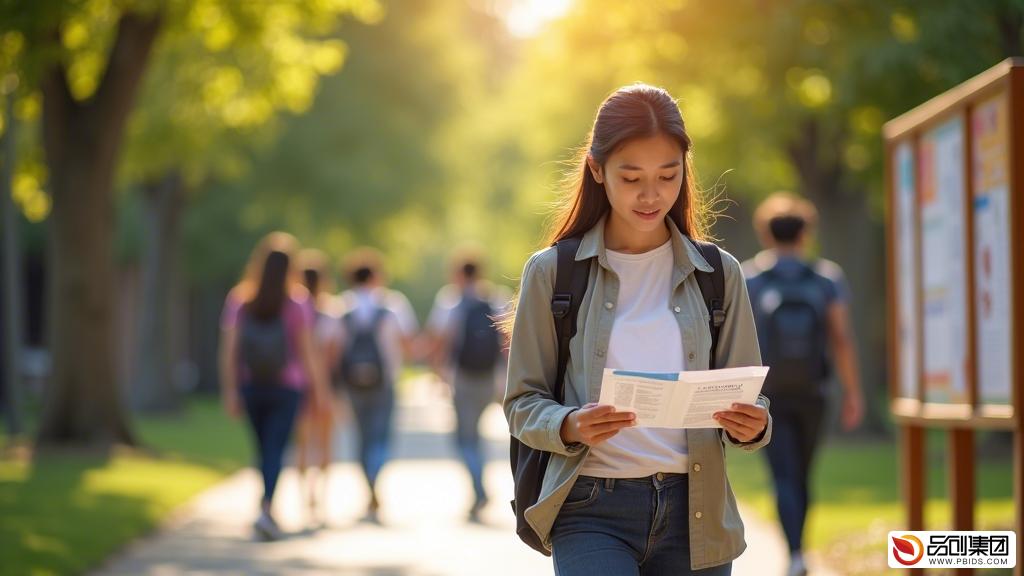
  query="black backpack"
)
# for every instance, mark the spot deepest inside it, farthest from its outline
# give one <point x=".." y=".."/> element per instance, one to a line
<point x="263" y="348"/>
<point x="479" y="345"/>
<point x="362" y="362"/>
<point x="793" y="309"/>
<point x="571" y="276"/>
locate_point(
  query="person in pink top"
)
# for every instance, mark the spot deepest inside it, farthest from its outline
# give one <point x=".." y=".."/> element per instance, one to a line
<point x="267" y="360"/>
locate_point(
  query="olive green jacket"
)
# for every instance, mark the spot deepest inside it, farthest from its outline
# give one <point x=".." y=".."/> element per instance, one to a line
<point x="535" y="418"/>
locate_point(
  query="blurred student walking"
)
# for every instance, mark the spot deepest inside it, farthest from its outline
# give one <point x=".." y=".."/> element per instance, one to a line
<point x="267" y="359"/>
<point x="468" y="353"/>
<point x="377" y="327"/>
<point x="801" y="312"/>
<point x="315" y="428"/>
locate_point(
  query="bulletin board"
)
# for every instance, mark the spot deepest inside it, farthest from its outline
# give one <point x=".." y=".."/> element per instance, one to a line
<point x="954" y="183"/>
<point x="955" y="255"/>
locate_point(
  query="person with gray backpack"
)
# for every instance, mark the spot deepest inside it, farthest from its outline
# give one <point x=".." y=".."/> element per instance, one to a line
<point x="376" y="326"/>
<point x="468" y="353"/>
<point x="800" y="309"/>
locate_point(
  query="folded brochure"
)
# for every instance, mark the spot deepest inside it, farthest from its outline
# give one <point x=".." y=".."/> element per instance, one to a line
<point x="681" y="399"/>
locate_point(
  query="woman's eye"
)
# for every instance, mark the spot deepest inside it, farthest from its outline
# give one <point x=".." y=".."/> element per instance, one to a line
<point x="630" y="180"/>
<point x="669" y="178"/>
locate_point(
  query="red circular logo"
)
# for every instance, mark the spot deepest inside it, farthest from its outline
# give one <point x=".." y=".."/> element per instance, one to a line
<point x="907" y="546"/>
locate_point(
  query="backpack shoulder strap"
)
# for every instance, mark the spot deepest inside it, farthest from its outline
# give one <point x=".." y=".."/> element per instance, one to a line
<point x="378" y="316"/>
<point x="712" y="288"/>
<point x="811" y="267"/>
<point x="571" y="279"/>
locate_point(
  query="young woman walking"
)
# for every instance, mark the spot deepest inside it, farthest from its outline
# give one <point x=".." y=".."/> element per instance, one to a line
<point x="267" y="359"/>
<point x="619" y="499"/>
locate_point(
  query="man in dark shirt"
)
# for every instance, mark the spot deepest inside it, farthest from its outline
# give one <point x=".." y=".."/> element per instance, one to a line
<point x="802" y="316"/>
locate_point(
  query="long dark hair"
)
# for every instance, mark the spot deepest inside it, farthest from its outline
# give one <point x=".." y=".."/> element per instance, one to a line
<point x="273" y="287"/>
<point x="636" y="111"/>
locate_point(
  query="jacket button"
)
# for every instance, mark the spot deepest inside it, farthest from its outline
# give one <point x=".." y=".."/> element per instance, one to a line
<point x="677" y="309"/>
<point x="690" y="355"/>
<point x="600" y="353"/>
<point x="698" y="515"/>
<point x="696" y="467"/>
<point x="609" y="305"/>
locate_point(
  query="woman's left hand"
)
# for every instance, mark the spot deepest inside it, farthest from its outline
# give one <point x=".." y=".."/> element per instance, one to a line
<point x="744" y="422"/>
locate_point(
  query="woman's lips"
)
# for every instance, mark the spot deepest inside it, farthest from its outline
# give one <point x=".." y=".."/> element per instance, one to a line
<point x="647" y="215"/>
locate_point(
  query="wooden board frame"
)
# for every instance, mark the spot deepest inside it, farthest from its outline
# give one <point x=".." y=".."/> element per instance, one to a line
<point x="914" y="415"/>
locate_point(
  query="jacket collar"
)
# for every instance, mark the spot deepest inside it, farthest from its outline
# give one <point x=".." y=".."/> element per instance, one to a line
<point x="685" y="255"/>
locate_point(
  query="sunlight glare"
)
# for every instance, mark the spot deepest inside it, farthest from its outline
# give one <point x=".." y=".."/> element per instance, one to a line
<point x="526" y="18"/>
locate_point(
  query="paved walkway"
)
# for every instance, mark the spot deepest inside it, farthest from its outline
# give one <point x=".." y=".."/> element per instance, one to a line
<point x="424" y="493"/>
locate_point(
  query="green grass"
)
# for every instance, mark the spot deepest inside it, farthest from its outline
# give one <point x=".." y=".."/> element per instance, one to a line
<point x="856" y="499"/>
<point x="62" y="513"/>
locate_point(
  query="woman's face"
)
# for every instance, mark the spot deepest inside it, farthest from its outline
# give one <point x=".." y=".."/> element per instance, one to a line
<point x="642" y="179"/>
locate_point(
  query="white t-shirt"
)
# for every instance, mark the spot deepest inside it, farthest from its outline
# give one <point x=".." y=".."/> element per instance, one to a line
<point x="645" y="336"/>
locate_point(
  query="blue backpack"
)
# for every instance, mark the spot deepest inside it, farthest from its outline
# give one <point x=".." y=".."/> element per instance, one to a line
<point x="792" y="309"/>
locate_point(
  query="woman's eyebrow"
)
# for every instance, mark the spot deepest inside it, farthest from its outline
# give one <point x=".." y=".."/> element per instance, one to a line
<point x="671" y="164"/>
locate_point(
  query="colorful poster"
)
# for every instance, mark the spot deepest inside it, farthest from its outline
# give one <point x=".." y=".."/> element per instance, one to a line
<point x="944" y="270"/>
<point x="993" y="304"/>
<point x="905" y="236"/>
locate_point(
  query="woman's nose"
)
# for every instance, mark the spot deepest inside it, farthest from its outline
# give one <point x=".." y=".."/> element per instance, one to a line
<point x="648" y="192"/>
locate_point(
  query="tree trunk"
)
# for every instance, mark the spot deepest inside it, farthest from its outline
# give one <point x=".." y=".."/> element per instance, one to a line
<point x="850" y="237"/>
<point x="83" y="403"/>
<point x="12" y="306"/>
<point x="153" y="385"/>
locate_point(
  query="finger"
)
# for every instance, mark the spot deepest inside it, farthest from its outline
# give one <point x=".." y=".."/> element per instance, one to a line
<point x="599" y="411"/>
<point x="598" y="429"/>
<point x="612" y="417"/>
<point x="739" y="432"/>
<point x="732" y="423"/>
<point x="738" y="417"/>
<point x="591" y="411"/>
<point x="748" y="409"/>
<point x="602" y="438"/>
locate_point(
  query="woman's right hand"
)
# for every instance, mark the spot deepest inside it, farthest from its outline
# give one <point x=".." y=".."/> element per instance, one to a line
<point x="594" y="423"/>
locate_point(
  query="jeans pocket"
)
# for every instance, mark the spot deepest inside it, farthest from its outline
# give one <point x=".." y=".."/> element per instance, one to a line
<point x="582" y="494"/>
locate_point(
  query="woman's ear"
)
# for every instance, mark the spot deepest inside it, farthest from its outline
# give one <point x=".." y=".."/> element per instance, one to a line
<point x="595" y="169"/>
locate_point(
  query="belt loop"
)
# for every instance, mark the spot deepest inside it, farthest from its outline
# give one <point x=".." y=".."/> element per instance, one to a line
<point x="609" y="484"/>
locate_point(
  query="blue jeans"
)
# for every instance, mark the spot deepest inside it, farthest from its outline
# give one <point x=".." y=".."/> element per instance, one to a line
<point x="620" y="527"/>
<point x="271" y="411"/>
<point x="796" y="428"/>
<point x="473" y="392"/>
<point x="373" y="409"/>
